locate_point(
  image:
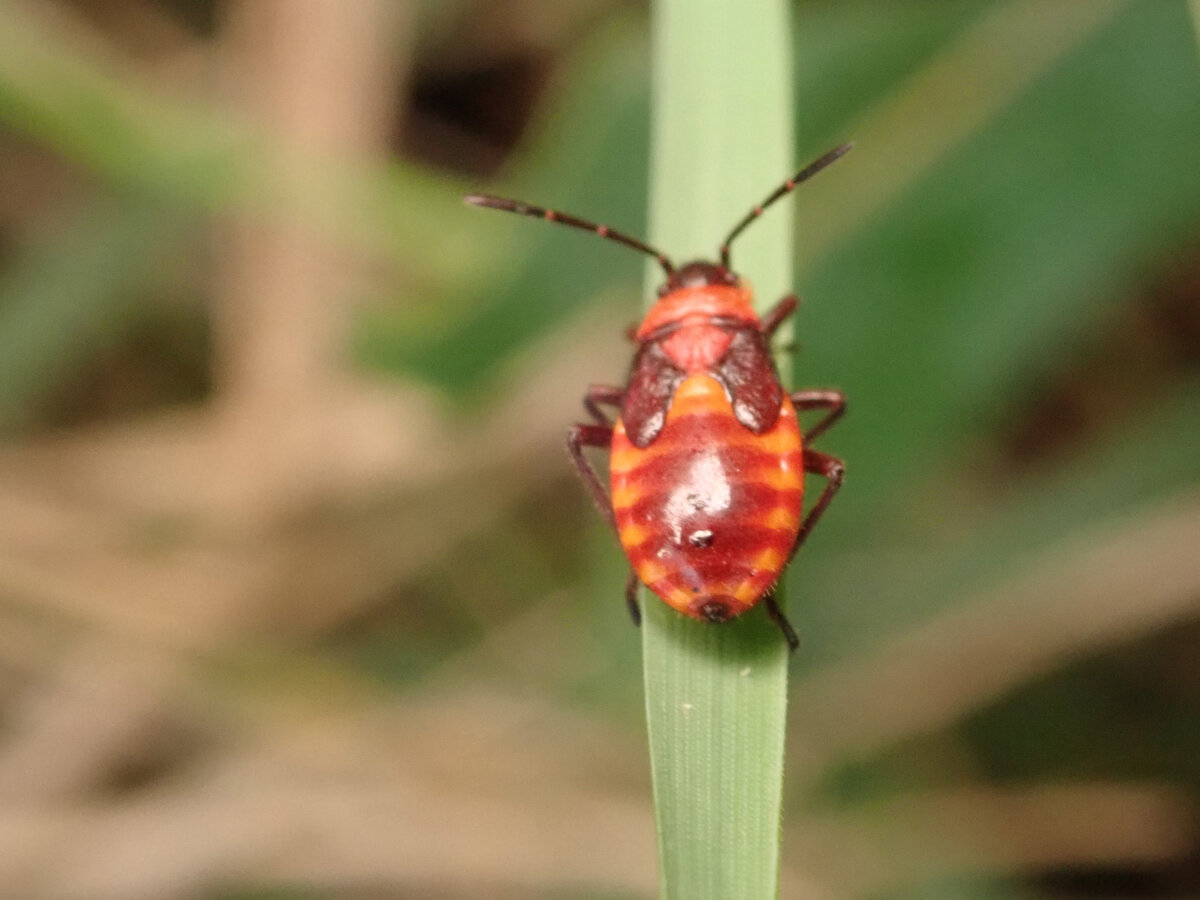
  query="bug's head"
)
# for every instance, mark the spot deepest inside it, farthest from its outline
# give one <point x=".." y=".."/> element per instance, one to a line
<point x="698" y="274"/>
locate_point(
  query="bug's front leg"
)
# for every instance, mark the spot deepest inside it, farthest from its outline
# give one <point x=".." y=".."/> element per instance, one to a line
<point x="834" y="401"/>
<point x="779" y="314"/>
<point x="833" y="470"/>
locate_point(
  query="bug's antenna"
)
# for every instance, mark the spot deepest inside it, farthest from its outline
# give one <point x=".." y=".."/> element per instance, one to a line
<point x="552" y="215"/>
<point x="784" y="189"/>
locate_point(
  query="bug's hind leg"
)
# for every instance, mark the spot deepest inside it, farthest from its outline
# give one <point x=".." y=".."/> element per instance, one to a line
<point x="781" y="622"/>
<point x="833" y="470"/>
<point x="631" y="586"/>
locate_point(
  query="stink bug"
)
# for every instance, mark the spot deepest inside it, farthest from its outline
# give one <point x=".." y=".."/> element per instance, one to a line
<point x="707" y="455"/>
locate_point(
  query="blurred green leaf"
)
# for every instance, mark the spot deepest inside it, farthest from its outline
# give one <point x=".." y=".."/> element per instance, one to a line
<point x="69" y="97"/>
<point x="586" y="155"/>
<point x="943" y="313"/>
<point x="72" y="293"/>
<point x="937" y="314"/>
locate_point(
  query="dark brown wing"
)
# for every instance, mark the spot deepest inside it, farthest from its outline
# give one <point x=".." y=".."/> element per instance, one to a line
<point x="748" y="375"/>
<point x="652" y="383"/>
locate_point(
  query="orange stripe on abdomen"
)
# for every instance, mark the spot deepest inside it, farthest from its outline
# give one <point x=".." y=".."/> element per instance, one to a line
<point x="709" y="509"/>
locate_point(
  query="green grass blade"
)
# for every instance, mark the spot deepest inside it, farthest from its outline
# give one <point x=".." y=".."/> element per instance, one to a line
<point x="716" y="695"/>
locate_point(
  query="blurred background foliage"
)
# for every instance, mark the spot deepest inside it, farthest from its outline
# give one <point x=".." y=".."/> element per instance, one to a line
<point x="298" y="594"/>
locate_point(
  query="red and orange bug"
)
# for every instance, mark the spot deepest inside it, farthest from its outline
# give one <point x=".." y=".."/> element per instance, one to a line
<point x="707" y="455"/>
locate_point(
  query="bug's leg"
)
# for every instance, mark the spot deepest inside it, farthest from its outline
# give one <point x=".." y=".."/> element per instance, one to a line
<point x="631" y="587"/>
<point x="781" y="622"/>
<point x="779" y="314"/>
<point x="602" y="393"/>
<point x="581" y="436"/>
<point x="833" y="470"/>
<point x="834" y="401"/>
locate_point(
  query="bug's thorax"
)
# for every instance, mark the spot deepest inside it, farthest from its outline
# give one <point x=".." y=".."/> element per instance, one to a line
<point x="692" y="323"/>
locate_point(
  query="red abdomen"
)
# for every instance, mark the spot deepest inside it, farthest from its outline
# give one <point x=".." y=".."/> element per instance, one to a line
<point x="709" y="511"/>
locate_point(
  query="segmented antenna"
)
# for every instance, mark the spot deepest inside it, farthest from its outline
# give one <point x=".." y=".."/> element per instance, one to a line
<point x="783" y="190"/>
<point x="552" y="215"/>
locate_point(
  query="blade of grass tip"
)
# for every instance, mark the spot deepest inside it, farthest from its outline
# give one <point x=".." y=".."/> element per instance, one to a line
<point x="716" y="694"/>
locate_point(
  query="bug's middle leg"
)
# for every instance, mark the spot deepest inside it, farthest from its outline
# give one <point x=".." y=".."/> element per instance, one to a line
<point x="581" y="436"/>
<point x="597" y="435"/>
<point x="606" y="394"/>
<point x="600" y="435"/>
<point x="832" y="400"/>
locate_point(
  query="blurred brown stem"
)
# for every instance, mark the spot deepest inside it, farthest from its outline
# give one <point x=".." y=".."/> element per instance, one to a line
<point x="320" y="75"/>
